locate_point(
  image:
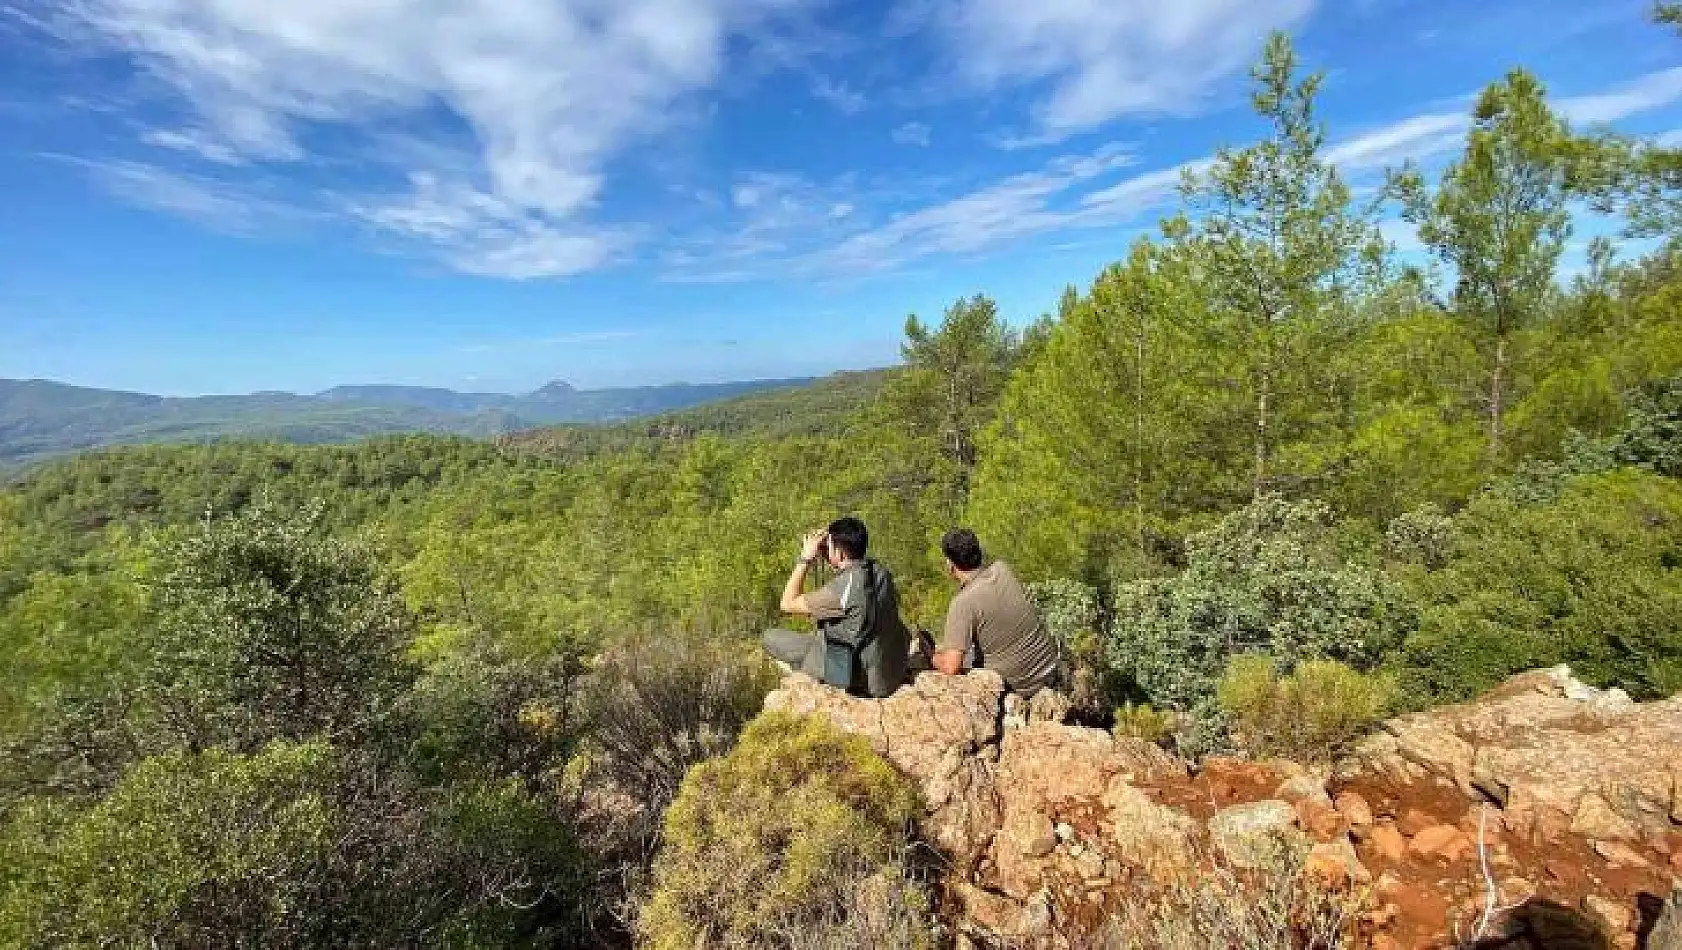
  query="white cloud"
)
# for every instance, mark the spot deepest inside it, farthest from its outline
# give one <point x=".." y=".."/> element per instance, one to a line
<point x="1390" y="145"/>
<point x="1427" y="136"/>
<point x="1103" y="59"/>
<point x="912" y="133"/>
<point x="839" y="95"/>
<point x="214" y="203"/>
<point x="1016" y="207"/>
<point x="550" y="90"/>
<point x="1652" y="91"/>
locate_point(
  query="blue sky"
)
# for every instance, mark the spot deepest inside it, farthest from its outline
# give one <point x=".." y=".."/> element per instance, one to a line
<point x="234" y="195"/>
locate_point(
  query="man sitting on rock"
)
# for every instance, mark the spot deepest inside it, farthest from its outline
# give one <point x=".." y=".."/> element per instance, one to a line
<point x="992" y="624"/>
<point x="861" y="645"/>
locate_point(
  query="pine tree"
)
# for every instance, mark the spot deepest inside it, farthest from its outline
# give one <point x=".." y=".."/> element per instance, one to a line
<point x="1281" y="251"/>
<point x="1499" y="218"/>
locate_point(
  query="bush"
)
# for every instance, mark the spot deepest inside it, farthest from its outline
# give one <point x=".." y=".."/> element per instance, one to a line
<point x="483" y="714"/>
<point x="269" y="628"/>
<point x="188" y="850"/>
<point x="1143" y="722"/>
<point x="1591" y="577"/>
<point x="1272" y="578"/>
<point x="769" y="839"/>
<point x="658" y="705"/>
<point x="1074" y="617"/>
<point x="1311" y="715"/>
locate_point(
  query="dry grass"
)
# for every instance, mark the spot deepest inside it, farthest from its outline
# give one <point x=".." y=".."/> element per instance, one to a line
<point x="1274" y="907"/>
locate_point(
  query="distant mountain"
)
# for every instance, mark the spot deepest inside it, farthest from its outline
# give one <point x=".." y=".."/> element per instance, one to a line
<point x="40" y="418"/>
<point x="823" y="407"/>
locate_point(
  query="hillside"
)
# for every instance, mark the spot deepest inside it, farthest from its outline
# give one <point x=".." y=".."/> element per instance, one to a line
<point x="822" y="407"/>
<point x="40" y="418"/>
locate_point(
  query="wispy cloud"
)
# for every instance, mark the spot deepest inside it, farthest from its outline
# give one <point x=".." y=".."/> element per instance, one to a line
<point x="550" y="91"/>
<point x="211" y="202"/>
<point x="1103" y="59"/>
<point x="842" y="97"/>
<point x="1079" y="191"/>
<point x="1423" y="137"/>
<point x="912" y="133"/>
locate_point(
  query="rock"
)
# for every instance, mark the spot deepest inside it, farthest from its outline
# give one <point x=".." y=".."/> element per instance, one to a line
<point x="990" y="915"/>
<point x="1618" y="854"/>
<point x="1303" y="787"/>
<point x="1542" y="744"/>
<point x="1335" y="865"/>
<point x="1596" y="819"/>
<point x="942" y="731"/>
<point x="1045" y="769"/>
<point x="1065" y="831"/>
<point x="1145" y="834"/>
<point x="1255" y="835"/>
<point x="1319" y="819"/>
<point x="1613" y="914"/>
<point x="1667" y="927"/>
<point x="1354" y="809"/>
<point x="1389" y="842"/>
<point x="1413" y="821"/>
<point x="1439" y="841"/>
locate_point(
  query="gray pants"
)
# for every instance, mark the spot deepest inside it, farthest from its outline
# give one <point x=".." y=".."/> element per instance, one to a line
<point x="803" y="651"/>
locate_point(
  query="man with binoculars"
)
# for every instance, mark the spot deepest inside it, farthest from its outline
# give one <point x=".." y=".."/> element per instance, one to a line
<point x="861" y="645"/>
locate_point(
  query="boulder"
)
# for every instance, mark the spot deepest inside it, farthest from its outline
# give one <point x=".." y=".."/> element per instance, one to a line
<point x="1557" y="755"/>
<point x="942" y="731"/>
<point x="1256" y="834"/>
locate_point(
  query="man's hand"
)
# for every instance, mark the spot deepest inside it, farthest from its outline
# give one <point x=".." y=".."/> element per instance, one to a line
<point x="812" y="545"/>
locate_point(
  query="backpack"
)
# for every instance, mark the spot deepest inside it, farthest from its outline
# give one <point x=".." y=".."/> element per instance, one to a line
<point x="845" y="640"/>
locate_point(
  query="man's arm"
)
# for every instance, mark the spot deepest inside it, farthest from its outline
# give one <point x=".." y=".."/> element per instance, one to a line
<point x="794" y="601"/>
<point x="955" y="644"/>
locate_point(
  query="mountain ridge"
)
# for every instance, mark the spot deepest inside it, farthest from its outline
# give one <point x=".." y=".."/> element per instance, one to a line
<point x="41" y="418"/>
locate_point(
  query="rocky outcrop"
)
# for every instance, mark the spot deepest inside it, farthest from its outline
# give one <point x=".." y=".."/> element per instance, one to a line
<point x="1555" y="755"/>
<point x="1554" y="797"/>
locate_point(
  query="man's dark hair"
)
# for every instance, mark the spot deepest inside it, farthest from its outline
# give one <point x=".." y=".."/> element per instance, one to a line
<point x="962" y="548"/>
<point x="848" y="535"/>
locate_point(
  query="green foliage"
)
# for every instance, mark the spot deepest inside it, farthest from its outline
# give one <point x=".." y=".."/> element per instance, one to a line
<point x="953" y="375"/>
<point x="766" y="839"/>
<point x="1499" y="218"/>
<point x="1652" y="434"/>
<point x="1311" y="715"/>
<point x="1142" y="721"/>
<point x="1271" y="578"/>
<point x="268" y="628"/>
<point x="187" y="850"/>
<point x="1592" y="578"/>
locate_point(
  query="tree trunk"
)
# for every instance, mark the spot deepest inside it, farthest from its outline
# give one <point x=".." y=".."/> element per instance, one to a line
<point x="1264" y="404"/>
<point x="1497" y="379"/>
<point x="1139" y="442"/>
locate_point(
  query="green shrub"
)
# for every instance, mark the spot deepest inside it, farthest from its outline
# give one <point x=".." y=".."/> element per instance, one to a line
<point x="270" y="628"/>
<point x="771" y="837"/>
<point x="1311" y="715"/>
<point x="1143" y="722"/>
<point x="1591" y="577"/>
<point x="188" y="850"/>
<point x="1274" y="578"/>
<point x="1073" y="615"/>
